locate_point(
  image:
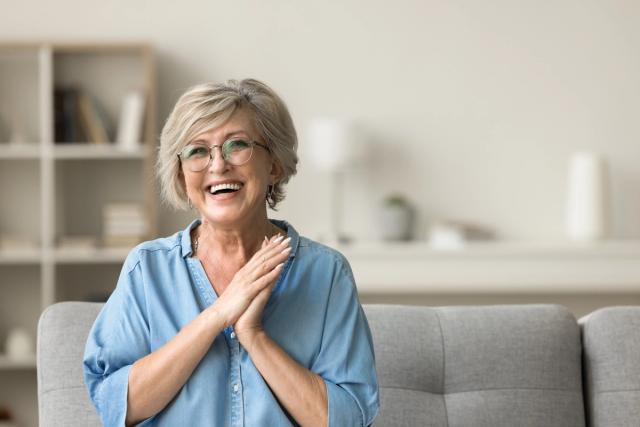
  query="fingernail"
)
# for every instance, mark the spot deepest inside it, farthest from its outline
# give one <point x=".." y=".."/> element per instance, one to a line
<point x="278" y="238"/>
<point x="285" y="241"/>
<point x="279" y="266"/>
<point x="286" y="250"/>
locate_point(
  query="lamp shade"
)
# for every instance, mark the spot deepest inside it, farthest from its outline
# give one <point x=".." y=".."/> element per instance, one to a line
<point x="333" y="143"/>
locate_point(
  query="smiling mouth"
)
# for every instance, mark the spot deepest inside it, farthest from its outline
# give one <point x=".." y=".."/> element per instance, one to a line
<point x="231" y="187"/>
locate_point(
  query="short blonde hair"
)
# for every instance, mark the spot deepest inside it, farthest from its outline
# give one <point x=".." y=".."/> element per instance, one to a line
<point x="207" y="106"/>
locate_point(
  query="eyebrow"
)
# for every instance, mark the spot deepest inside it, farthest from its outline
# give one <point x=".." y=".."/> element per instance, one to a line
<point x="227" y="136"/>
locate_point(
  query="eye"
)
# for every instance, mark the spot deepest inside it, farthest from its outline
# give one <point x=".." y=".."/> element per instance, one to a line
<point x="195" y="151"/>
<point x="234" y="145"/>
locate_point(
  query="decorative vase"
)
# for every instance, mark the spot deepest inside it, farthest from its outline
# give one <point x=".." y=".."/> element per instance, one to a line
<point x="395" y="221"/>
<point x="19" y="344"/>
<point x="586" y="199"/>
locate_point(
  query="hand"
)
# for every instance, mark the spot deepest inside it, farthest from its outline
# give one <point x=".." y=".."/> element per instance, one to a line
<point x="250" y="322"/>
<point x="260" y="272"/>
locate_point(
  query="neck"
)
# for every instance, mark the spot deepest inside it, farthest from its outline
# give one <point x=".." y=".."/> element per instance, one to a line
<point x="240" y="243"/>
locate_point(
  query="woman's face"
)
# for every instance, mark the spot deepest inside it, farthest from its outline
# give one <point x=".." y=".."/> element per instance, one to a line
<point x="230" y="207"/>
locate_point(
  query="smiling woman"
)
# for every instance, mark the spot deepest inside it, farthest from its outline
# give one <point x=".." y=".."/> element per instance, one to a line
<point x="236" y="320"/>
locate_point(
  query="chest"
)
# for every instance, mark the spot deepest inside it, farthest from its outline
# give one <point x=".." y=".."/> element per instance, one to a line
<point x="220" y="275"/>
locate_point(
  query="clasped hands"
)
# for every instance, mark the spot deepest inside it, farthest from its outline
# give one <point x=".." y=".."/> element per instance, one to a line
<point x="243" y="301"/>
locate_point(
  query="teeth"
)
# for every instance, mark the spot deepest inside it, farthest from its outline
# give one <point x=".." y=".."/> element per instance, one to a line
<point x="227" y="186"/>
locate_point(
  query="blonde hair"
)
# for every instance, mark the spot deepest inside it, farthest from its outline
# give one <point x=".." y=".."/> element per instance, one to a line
<point x="207" y="106"/>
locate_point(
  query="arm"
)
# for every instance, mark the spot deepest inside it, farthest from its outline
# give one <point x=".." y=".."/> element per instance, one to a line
<point x="301" y="392"/>
<point x="341" y="387"/>
<point x="155" y="379"/>
<point x="126" y="382"/>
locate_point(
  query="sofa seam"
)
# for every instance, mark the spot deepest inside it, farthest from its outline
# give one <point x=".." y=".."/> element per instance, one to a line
<point x="491" y="389"/>
<point x="444" y="372"/>
<point x="618" y="391"/>
<point x="61" y="388"/>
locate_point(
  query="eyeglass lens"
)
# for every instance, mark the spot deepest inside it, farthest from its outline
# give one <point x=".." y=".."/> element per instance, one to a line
<point x="234" y="151"/>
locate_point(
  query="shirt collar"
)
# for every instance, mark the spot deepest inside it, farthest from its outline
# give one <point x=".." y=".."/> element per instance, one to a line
<point x="187" y="247"/>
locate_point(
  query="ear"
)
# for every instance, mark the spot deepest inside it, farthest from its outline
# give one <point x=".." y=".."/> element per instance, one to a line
<point x="276" y="172"/>
<point x="181" y="178"/>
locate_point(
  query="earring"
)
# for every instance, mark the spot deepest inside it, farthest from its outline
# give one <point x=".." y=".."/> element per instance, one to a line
<point x="189" y="202"/>
<point x="269" y="191"/>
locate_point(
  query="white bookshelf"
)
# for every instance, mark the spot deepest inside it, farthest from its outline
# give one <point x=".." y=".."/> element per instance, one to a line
<point x="83" y="152"/>
<point x="52" y="189"/>
<point x="29" y="150"/>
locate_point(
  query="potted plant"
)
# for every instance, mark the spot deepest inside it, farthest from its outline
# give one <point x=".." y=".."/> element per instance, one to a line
<point x="395" y="218"/>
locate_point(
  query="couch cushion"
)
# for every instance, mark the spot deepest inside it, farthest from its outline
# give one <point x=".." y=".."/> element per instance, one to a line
<point x="62" y="333"/>
<point x="477" y="366"/>
<point x="611" y="360"/>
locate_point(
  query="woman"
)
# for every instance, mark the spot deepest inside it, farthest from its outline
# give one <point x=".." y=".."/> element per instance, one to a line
<point x="237" y="320"/>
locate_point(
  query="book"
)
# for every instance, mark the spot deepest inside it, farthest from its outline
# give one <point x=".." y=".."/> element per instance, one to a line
<point x="77" y="242"/>
<point x="123" y="209"/>
<point x="130" y="126"/>
<point x="91" y="121"/>
<point x="67" y="127"/>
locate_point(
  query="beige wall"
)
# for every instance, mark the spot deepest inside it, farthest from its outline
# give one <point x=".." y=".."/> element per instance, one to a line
<point x="472" y="107"/>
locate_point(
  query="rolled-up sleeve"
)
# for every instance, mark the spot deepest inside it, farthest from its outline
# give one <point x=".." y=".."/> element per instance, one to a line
<point x="346" y="359"/>
<point x="119" y="337"/>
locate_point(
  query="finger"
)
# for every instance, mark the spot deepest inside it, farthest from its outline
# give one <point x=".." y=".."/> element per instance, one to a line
<point x="267" y="262"/>
<point x="266" y="279"/>
<point x="267" y="252"/>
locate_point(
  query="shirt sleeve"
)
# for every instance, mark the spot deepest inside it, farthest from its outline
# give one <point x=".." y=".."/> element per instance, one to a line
<point x="346" y="359"/>
<point x="119" y="337"/>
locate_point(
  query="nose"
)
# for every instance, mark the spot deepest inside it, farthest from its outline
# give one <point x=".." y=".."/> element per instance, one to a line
<point x="217" y="163"/>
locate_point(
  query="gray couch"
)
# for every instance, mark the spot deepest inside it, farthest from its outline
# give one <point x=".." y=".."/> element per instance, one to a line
<point x="519" y="365"/>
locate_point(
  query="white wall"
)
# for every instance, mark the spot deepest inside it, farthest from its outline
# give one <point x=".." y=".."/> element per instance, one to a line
<point x="472" y="107"/>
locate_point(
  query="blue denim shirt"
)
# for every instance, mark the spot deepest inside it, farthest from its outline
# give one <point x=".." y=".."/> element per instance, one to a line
<point x="313" y="314"/>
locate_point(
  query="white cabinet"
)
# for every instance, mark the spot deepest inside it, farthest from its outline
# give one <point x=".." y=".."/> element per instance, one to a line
<point x="54" y="191"/>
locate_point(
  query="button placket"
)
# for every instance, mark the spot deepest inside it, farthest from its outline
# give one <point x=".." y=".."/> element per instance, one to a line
<point x="237" y="408"/>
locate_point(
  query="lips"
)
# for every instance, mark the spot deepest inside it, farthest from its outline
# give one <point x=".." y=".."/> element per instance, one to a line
<point x="225" y="187"/>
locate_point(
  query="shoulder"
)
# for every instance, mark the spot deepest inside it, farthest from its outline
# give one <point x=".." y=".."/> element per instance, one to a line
<point x="160" y="249"/>
<point x="310" y="251"/>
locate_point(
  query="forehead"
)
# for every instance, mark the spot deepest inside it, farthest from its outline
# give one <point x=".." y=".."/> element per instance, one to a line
<point x="240" y="123"/>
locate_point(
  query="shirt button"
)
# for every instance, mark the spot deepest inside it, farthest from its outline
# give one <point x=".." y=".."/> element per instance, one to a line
<point x="233" y="335"/>
<point x="235" y="388"/>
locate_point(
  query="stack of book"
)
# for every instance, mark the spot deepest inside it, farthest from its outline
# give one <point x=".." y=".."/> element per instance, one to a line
<point x="79" y="117"/>
<point x="125" y="224"/>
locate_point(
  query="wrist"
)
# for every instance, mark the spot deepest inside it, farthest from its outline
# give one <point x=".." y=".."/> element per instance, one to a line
<point x="216" y="318"/>
<point x="249" y="338"/>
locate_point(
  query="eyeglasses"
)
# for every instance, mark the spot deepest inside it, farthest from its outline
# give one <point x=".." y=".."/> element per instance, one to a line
<point x="236" y="151"/>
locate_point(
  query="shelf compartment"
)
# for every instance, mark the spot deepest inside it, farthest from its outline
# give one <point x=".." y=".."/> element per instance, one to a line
<point x="86" y="282"/>
<point x="20" y="304"/>
<point x="7" y="363"/>
<point x="20" y="93"/>
<point x="83" y="188"/>
<point x="20" y="190"/>
<point x="125" y="69"/>
<point x="19" y="392"/>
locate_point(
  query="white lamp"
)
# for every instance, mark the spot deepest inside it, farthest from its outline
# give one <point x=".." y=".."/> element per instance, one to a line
<point x="334" y="147"/>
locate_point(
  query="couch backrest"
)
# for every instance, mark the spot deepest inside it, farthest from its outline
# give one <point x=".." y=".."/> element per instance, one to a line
<point x="62" y="333"/>
<point x="450" y="366"/>
<point x="477" y="366"/>
<point x="611" y="360"/>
